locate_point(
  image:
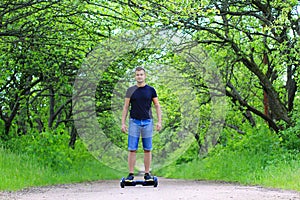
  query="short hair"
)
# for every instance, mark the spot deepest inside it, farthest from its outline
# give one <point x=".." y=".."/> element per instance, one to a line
<point x="140" y="69"/>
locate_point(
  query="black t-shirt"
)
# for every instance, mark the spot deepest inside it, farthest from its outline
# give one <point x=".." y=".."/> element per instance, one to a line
<point x="140" y="101"/>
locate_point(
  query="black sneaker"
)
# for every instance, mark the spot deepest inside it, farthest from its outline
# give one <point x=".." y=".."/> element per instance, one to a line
<point x="130" y="177"/>
<point x="148" y="177"/>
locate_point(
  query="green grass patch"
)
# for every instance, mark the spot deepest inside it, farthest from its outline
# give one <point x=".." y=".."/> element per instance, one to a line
<point x="244" y="169"/>
<point x="20" y="171"/>
<point x="45" y="159"/>
<point x="255" y="160"/>
<point x="285" y="176"/>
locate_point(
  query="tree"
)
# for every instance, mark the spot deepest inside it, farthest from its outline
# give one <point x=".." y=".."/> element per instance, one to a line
<point x="252" y="42"/>
<point x="43" y="44"/>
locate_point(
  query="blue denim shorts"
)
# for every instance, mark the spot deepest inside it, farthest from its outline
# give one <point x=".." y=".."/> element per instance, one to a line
<point x="139" y="128"/>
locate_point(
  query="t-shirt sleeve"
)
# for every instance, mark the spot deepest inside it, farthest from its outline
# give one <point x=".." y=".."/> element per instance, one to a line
<point x="130" y="91"/>
<point x="154" y="94"/>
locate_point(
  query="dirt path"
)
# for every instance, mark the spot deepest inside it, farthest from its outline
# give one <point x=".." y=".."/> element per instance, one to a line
<point x="167" y="189"/>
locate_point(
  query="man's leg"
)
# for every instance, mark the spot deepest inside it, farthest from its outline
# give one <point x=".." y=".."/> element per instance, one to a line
<point x="131" y="161"/>
<point x="147" y="160"/>
<point x="147" y="133"/>
<point x="133" y="141"/>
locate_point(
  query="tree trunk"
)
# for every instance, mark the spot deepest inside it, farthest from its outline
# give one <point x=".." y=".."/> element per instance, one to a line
<point x="291" y="87"/>
<point x="51" y="107"/>
<point x="277" y="109"/>
<point x="73" y="137"/>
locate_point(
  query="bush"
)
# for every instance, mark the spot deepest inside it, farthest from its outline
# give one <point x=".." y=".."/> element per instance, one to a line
<point x="256" y="158"/>
<point x="290" y="137"/>
<point x="49" y="147"/>
<point x="22" y="170"/>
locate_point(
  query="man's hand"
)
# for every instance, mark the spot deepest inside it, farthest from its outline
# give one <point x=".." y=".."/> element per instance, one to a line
<point x="158" y="126"/>
<point x="124" y="128"/>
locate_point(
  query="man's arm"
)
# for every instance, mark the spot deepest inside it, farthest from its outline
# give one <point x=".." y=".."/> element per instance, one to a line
<point x="158" y="113"/>
<point x="124" y="114"/>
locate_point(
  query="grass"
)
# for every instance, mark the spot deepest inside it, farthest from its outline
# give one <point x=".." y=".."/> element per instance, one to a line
<point x="285" y="176"/>
<point x="257" y="159"/>
<point x="244" y="167"/>
<point x="20" y="171"/>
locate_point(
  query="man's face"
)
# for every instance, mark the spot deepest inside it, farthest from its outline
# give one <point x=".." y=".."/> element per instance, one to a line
<point x="140" y="76"/>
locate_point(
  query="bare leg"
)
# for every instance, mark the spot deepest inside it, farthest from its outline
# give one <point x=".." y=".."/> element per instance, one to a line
<point x="131" y="161"/>
<point x="147" y="160"/>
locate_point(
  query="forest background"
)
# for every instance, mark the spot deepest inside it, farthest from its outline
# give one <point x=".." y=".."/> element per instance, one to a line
<point x="226" y="72"/>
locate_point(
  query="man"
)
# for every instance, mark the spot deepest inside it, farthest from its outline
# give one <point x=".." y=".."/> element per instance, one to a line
<point x="140" y="98"/>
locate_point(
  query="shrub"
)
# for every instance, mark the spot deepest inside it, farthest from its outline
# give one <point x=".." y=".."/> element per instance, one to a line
<point x="49" y="147"/>
<point x="290" y="137"/>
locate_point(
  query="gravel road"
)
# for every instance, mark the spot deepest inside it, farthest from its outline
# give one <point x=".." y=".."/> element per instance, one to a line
<point x="168" y="189"/>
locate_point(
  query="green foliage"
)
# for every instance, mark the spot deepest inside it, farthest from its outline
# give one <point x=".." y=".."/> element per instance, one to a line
<point x="23" y="170"/>
<point x="258" y="142"/>
<point x="257" y="158"/>
<point x="111" y="129"/>
<point x="18" y="170"/>
<point x="42" y="47"/>
<point x="191" y="154"/>
<point x="256" y="54"/>
<point x="49" y="148"/>
<point x="291" y="137"/>
<point x="45" y="159"/>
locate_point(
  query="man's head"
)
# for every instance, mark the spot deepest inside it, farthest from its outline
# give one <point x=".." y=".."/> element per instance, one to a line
<point x="140" y="69"/>
<point x="140" y="75"/>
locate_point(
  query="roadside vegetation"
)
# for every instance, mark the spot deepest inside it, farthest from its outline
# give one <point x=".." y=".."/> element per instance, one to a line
<point x="258" y="158"/>
<point x="49" y="161"/>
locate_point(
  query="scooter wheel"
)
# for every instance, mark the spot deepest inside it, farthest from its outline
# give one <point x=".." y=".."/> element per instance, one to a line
<point x="122" y="183"/>
<point x="155" y="182"/>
